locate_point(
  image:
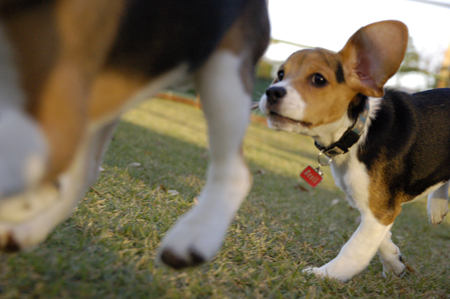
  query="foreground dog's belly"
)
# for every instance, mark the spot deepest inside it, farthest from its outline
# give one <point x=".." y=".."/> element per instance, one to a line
<point x="81" y="63"/>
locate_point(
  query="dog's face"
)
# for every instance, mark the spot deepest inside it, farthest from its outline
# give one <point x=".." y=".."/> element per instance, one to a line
<point x="309" y="91"/>
<point x="314" y="87"/>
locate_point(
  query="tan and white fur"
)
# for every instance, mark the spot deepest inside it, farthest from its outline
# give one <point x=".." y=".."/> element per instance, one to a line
<point x="315" y="93"/>
<point x="70" y="68"/>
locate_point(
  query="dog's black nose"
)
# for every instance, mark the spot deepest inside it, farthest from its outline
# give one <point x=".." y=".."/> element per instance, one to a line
<point x="274" y="94"/>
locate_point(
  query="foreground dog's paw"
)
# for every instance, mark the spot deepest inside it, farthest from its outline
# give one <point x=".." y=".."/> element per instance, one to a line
<point x="437" y="209"/>
<point x="193" y="240"/>
<point x="170" y="258"/>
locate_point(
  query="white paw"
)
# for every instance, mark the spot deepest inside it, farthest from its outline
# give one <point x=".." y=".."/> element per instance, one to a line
<point x="194" y="239"/>
<point x="26" y="205"/>
<point x="393" y="265"/>
<point x="314" y="270"/>
<point x="327" y="272"/>
<point x="199" y="234"/>
<point x="391" y="258"/>
<point x="20" y="226"/>
<point x="437" y="209"/>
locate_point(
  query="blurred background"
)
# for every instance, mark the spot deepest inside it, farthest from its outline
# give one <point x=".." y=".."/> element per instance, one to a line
<point x="328" y="24"/>
<point x="298" y="24"/>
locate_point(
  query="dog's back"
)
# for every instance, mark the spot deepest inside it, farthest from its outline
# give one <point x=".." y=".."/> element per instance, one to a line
<point x="195" y="27"/>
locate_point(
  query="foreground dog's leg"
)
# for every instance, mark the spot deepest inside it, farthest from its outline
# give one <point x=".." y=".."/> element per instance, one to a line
<point x="357" y="252"/>
<point x="46" y="207"/>
<point x="437" y="206"/>
<point x="199" y="234"/>
<point x="390" y="257"/>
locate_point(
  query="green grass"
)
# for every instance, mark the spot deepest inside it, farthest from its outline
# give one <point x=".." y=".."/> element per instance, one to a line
<point x="107" y="248"/>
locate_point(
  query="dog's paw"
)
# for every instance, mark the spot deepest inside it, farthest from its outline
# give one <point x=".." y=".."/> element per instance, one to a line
<point x="437" y="209"/>
<point x="313" y="271"/>
<point x="326" y="272"/>
<point x="392" y="259"/>
<point x="195" y="239"/>
<point x="393" y="265"/>
<point x="170" y="258"/>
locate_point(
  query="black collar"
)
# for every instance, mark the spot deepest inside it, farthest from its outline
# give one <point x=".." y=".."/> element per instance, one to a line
<point x="349" y="138"/>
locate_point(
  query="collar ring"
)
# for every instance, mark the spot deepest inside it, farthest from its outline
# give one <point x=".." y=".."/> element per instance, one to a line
<point x="324" y="159"/>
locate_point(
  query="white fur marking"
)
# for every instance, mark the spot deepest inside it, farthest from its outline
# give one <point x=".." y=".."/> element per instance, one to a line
<point x="292" y="107"/>
<point x="23" y="152"/>
<point x="226" y="105"/>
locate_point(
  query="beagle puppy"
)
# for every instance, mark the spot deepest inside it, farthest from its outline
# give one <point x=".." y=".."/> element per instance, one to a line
<point x="386" y="147"/>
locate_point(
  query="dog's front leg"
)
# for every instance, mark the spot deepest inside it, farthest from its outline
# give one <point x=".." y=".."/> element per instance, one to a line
<point x="50" y="204"/>
<point x="198" y="235"/>
<point x="356" y="254"/>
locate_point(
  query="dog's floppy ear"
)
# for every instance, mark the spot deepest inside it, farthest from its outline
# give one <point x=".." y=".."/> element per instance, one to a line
<point x="373" y="55"/>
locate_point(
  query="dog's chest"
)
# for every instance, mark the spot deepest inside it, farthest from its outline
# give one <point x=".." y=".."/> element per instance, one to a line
<point x="351" y="176"/>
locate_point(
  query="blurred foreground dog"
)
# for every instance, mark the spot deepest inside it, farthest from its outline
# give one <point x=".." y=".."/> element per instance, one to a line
<point x="69" y="69"/>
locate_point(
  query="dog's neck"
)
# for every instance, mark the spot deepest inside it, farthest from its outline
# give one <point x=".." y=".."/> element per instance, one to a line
<point x="338" y="137"/>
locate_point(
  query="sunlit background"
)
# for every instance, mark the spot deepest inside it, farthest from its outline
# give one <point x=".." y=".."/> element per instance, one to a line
<point x="298" y="24"/>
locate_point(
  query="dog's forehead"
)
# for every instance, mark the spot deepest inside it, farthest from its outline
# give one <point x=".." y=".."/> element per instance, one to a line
<point x="314" y="58"/>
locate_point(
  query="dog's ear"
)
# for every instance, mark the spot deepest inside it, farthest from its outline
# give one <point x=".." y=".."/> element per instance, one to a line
<point x="373" y="55"/>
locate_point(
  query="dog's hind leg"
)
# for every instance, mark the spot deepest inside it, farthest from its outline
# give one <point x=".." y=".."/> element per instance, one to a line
<point x="199" y="234"/>
<point x="437" y="206"/>
<point x="225" y="85"/>
<point x="390" y="257"/>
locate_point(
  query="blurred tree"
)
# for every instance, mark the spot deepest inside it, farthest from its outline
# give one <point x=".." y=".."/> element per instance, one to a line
<point x="418" y="63"/>
<point x="411" y="61"/>
<point x="443" y="79"/>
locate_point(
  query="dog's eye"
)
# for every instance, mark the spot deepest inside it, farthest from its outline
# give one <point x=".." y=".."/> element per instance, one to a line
<point x="280" y="75"/>
<point x="318" y="80"/>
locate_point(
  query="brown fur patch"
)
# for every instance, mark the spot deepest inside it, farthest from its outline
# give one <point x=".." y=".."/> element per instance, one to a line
<point x="384" y="204"/>
<point x="35" y="47"/>
<point x="111" y="91"/>
<point x="57" y="60"/>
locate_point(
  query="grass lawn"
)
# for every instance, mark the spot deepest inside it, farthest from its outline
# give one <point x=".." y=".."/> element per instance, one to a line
<point x="107" y="248"/>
